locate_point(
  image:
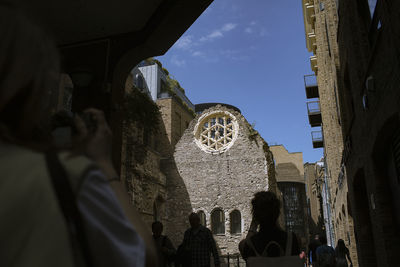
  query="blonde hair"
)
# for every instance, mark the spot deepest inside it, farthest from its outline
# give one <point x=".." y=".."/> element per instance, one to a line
<point x="29" y="67"/>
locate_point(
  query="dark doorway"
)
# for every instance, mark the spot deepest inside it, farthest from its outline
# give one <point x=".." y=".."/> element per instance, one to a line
<point x="364" y="234"/>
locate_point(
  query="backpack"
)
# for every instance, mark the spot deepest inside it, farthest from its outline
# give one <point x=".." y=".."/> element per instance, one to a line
<point x="326" y="256"/>
<point x="264" y="260"/>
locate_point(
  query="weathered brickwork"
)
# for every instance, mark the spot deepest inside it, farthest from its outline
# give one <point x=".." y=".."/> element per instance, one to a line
<point x="313" y="174"/>
<point x="225" y="180"/>
<point x="327" y="56"/>
<point x="176" y="118"/>
<point x="369" y="90"/>
<point x="289" y="172"/>
<point x="144" y="169"/>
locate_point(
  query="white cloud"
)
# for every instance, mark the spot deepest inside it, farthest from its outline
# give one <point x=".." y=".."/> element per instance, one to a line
<point x="218" y="32"/>
<point x="215" y="34"/>
<point x="185" y="42"/>
<point x="264" y="32"/>
<point x="197" y="54"/>
<point x="248" y="30"/>
<point x="234" y="55"/>
<point x="178" y="62"/>
<point x="228" y="27"/>
<point x="253" y="23"/>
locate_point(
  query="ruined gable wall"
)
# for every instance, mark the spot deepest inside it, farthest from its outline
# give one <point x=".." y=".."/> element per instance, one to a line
<point x="227" y="180"/>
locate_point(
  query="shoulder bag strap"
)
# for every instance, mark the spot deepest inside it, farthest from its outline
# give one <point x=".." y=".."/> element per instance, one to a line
<point x="251" y="245"/>
<point x="289" y="242"/>
<point x="265" y="252"/>
<point x="67" y="202"/>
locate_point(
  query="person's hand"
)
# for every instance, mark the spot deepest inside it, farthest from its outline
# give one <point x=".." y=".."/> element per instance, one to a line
<point x="96" y="145"/>
<point x="253" y="225"/>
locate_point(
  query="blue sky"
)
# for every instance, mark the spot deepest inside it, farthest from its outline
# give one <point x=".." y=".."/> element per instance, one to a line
<point x="250" y="54"/>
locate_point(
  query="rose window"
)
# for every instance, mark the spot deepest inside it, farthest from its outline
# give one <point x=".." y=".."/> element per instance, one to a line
<point x="216" y="132"/>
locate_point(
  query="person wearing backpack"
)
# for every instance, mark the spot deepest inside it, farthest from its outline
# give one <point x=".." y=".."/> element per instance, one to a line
<point x="270" y="245"/>
<point x="325" y="254"/>
<point x="165" y="249"/>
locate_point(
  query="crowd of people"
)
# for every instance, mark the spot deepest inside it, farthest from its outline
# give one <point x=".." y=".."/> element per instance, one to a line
<point x="66" y="206"/>
<point x="320" y="254"/>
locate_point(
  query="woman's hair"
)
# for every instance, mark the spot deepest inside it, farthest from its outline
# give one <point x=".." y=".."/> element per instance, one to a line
<point x="340" y="249"/>
<point x="29" y="75"/>
<point x="265" y="208"/>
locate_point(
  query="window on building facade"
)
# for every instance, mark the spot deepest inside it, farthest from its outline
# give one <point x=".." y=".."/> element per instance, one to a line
<point x="337" y="104"/>
<point x="139" y="81"/>
<point x="321" y="6"/>
<point x="216" y="131"/>
<point x="236" y="222"/>
<point x="293" y="203"/>
<point x="217" y="222"/>
<point x="327" y="37"/>
<point x="202" y="216"/>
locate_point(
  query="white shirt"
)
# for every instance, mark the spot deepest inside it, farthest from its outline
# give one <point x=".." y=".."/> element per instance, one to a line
<point x="112" y="239"/>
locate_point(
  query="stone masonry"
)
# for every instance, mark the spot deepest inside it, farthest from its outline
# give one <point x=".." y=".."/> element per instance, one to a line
<point x="224" y="180"/>
<point x="290" y="179"/>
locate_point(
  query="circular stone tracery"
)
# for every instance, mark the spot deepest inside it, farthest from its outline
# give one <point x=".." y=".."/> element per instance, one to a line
<point x="215" y="132"/>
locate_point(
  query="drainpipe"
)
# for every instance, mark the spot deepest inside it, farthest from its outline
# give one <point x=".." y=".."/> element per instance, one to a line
<point x="327" y="208"/>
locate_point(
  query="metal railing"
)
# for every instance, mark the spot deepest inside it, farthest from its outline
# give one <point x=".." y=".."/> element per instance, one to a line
<point x="313" y="107"/>
<point x="232" y="260"/>
<point x="317" y="136"/>
<point x="310" y="80"/>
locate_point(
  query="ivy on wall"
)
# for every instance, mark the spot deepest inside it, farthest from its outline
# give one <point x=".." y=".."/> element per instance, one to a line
<point x="139" y="108"/>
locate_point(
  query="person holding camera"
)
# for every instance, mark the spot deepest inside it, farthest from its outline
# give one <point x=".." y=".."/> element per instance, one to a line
<point x="57" y="208"/>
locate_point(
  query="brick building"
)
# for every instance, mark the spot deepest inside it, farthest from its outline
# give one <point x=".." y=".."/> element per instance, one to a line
<point x="289" y="172"/>
<point x="149" y="140"/>
<point x="324" y="111"/>
<point x="314" y="178"/>
<point x="369" y="41"/>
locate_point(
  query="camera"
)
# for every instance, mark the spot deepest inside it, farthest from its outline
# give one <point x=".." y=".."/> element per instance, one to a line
<point x="63" y="127"/>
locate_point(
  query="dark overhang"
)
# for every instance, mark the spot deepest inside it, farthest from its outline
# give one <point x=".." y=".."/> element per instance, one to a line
<point x="158" y="24"/>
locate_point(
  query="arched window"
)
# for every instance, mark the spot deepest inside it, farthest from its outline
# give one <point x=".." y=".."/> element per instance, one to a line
<point x="217" y="222"/>
<point x="236" y="222"/>
<point x="202" y="216"/>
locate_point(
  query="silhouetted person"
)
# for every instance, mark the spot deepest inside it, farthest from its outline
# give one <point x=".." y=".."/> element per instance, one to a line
<point x="325" y="254"/>
<point x="312" y="248"/>
<point x="199" y="243"/>
<point x="165" y="249"/>
<point x="38" y="227"/>
<point x="266" y="209"/>
<point x="341" y="252"/>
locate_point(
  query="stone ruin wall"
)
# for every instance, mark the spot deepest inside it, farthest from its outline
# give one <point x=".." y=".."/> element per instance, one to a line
<point x="227" y="180"/>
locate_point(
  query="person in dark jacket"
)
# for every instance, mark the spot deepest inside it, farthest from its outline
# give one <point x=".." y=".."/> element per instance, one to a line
<point x="312" y="248"/>
<point x="165" y="248"/>
<point x="198" y="245"/>
<point x="341" y="252"/>
<point x="325" y="254"/>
